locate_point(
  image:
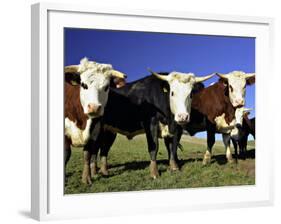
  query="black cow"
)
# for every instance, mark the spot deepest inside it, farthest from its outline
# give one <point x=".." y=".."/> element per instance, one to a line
<point x="154" y="105"/>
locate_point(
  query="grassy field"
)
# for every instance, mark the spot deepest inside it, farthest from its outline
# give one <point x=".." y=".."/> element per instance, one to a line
<point x="129" y="168"/>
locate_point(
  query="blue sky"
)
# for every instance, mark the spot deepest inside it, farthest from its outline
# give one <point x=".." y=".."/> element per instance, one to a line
<point x="133" y="52"/>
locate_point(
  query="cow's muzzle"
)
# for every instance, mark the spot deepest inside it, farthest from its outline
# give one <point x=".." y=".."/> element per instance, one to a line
<point x="182" y="118"/>
<point x="93" y="109"/>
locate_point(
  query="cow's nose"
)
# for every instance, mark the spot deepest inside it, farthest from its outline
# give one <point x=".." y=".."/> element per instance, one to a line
<point x="93" y="108"/>
<point x="183" y="117"/>
<point x="240" y="102"/>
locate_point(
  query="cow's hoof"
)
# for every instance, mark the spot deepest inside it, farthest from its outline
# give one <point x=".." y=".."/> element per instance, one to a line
<point x="154" y="170"/>
<point x="173" y="165"/>
<point x="103" y="166"/>
<point x="103" y="171"/>
<point x="207" y="158"/>
<point x="86" y="177"/>
<point x="230" y="161"/>
<point x="94" y="169"/>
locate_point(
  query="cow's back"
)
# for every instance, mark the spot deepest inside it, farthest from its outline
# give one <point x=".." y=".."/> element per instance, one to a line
<point x="129" y="106"/>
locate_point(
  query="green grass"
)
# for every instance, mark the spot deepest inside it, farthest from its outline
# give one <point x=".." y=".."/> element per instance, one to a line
<point x="129" y="168"/>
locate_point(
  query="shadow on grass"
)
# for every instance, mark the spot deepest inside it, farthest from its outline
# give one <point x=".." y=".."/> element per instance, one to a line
<point x="221" y="159"/>
<point x="140" y="165"/>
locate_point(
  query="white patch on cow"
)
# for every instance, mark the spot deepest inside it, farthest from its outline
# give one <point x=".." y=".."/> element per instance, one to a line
<point x="239" y="114"/>
<point x="164" y="131"/>
<point x="181" y="85"/>
<point x="78" y="137"/>
<point x="228" y="153"/>
<point x="207" y="157"/>
<point x="222" y="126"/>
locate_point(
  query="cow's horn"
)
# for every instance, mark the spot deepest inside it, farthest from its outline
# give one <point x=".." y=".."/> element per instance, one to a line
<point x="223" y="76"/>
<point x="118" y="74"/>
<point x="71" y="69"/>
<point x="204" y="78"/>
<point x="249" y="75"/>
<point x="162" y="77"/>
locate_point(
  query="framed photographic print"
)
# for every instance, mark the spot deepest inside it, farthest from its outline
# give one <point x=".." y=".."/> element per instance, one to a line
<point x="134" y="109"/>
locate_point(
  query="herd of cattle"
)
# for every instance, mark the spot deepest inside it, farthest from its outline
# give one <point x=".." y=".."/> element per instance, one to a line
<point x="99" y="104"/>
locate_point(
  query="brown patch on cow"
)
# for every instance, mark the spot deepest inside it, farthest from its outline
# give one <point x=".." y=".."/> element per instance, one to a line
<point x="213" y="101"/>
<point x="73" y="109"/>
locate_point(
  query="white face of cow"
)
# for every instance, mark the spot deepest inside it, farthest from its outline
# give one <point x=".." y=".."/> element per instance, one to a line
<point x="94" y="92"/>
<point x="239" y="114"/>
<point x="181" y="85"/>
<point x="237" y="86"/>
<point x="94" y="85"/>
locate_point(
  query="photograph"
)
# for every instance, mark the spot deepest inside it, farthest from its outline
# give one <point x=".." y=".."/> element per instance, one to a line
<point x="156" y="111"/>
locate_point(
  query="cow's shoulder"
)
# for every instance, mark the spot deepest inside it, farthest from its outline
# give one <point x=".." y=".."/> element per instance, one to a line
<point x="72" y="106"/>
<point x="213" y="101"/>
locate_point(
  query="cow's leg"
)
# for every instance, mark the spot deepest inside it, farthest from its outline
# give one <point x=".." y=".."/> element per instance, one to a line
<point x="86" y="175"/>
<point x="242" y="150"/>
<point x="235" y="150"/>
<point x="226" y="141"/>
<point x="94" y="163"/>
<point x="210" y="142"/>
<point x="67" y="153"/>
<point x="243" y="147"/>
<point x="151" y="130"/>
<point x="67" y="150"/>
<point x="94" y="158"/>
<point x="107" y="141"/>
<point x="167" y="141"/>
<point x="171" y="152"/>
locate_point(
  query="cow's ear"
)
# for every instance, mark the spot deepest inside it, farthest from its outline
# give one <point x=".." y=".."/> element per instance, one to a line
<point x="251" y="80"/>
<point x="117" y="82"/>
<point x="223" y="81"/>
<point x="72" y="78"/>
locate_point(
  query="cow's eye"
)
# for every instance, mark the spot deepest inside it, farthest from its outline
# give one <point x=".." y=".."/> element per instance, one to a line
<point x="84" y="86"/>
<point x="106" y="88"/>
<point x="172" y="93"/>
<point x="231" y="88"/>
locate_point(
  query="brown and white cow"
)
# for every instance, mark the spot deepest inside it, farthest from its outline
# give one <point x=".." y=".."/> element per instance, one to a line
<point x="214" y="109"/>
<point x="86" y="94"/>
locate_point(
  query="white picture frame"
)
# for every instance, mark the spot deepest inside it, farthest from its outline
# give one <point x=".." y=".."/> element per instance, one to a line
<point x="48" y="201"/>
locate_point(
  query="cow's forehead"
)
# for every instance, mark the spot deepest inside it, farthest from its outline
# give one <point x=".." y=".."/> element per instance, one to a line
<point x="99" y="67"/>
<point x="182" y="77"/>
<point x="236" y="75"/>
<point x="237" y="78"/>
<point x="95" y="76"/>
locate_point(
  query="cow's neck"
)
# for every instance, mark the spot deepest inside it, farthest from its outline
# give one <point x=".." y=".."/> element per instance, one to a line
<point x="73" y="109"/>
<point x="213" y="101"/>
